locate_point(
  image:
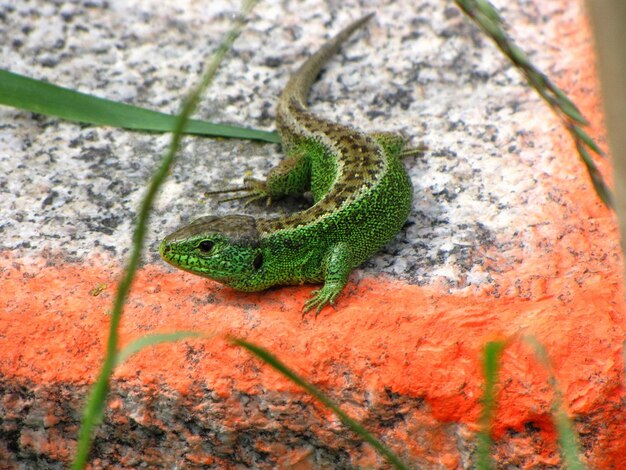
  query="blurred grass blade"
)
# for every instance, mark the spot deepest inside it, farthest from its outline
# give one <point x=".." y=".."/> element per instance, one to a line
<point x="489" y="11"/>
<point x="587" y="140"/>
<point x="567" y="436"/>
<point x="487" y="18"/>
<point x="138" y="345"/>
<point x="492" y="353"/>
<point x="571" y="111"/>
<point x="153" y="340"/>
<point x="273" y="361"/>
<point x="52" y="100"/>
<point x="566" y="103"/>
<point x="596" y="179"/>
<point x="97" y="396"/>
<point x="567" y="440"/>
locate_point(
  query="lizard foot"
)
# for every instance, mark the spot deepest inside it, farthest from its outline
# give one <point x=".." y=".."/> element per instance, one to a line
<point x="254" y="190"/>
<point x="320" y="298"/>
<point x="395" y="144"/>
<point x="410" y="152"/>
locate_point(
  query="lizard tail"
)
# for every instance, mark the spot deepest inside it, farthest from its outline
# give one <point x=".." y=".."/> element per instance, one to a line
<point x="300" y="83"/>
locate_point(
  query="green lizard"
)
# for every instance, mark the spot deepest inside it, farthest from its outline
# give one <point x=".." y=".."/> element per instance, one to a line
<point x="362" y="197"/>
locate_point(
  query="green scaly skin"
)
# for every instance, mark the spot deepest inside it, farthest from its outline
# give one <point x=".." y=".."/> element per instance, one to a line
<point x="362" y="197"/>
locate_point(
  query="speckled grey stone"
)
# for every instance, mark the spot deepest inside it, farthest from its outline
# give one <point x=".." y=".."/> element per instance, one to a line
<point x="72" y="190"/>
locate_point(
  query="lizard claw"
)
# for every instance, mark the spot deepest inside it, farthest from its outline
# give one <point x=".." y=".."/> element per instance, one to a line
<point x="319" y="299"/>
<point x="253" y="191"/>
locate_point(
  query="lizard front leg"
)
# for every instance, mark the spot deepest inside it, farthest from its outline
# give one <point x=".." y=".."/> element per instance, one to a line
<point x="336" y="269"/>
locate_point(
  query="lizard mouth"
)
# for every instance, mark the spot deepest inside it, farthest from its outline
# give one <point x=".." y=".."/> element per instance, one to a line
<point x="168" y="253"/>
<point x="194" y="264"/>
<point x="164" y="250"/>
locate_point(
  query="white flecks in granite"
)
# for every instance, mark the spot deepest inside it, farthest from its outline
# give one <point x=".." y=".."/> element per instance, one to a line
<point x="69" y="190"/>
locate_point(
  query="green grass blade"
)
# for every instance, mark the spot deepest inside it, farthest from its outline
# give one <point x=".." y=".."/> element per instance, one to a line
<point x="97" y="397"/>
<point x="52" y="100"/>
<point x="567" y="436"/>
<point x="587" y="140"/>
<point x="567" y="105"/>
<point x="596" y="178"/>
<point x="565" y="430"/>
<point x="153" y="340"/>
<point x="489" y="11"/>
<point x="487" y="18"/>
<point x="274" y="362"/>
<point x="492" y="353"/>
<point x="567" y="440"/>
<point x="571" y="111"/>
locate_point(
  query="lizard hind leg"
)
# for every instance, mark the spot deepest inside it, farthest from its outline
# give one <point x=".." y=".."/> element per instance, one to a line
<point x="410" y="152"/>
<point x="253" y="190"/>
<point x="291" y="177"/>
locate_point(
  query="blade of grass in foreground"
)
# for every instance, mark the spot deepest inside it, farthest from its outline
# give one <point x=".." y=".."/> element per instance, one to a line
<point x="491" y="365"/>
<point x="568" y="444"/>
<point x="153" y="340"/>
<point x="97" y="397"/>
<point x="565" y="430"/>
<point x="273" y="361"/>
<point x="487" y="18"/>
<point x="52" y="100"/>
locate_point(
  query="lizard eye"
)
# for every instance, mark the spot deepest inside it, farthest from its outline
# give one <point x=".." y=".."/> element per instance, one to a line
<point x="258" y="261"/>
<point x="205" y="246"/>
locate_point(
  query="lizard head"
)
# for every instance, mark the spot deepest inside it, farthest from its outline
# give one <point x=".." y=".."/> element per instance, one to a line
<point x="223" y="248"/>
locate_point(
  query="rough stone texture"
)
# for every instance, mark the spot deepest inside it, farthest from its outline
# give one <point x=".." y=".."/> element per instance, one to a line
<point x="507" y="238"/>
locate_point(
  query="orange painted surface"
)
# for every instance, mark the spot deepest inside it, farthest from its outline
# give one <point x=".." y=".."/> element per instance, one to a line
<point x="418" y="342"/>
<point x="562" y="285"/>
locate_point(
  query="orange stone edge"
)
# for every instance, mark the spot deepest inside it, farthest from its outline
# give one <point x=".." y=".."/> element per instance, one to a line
<point x="54" y="330"/>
